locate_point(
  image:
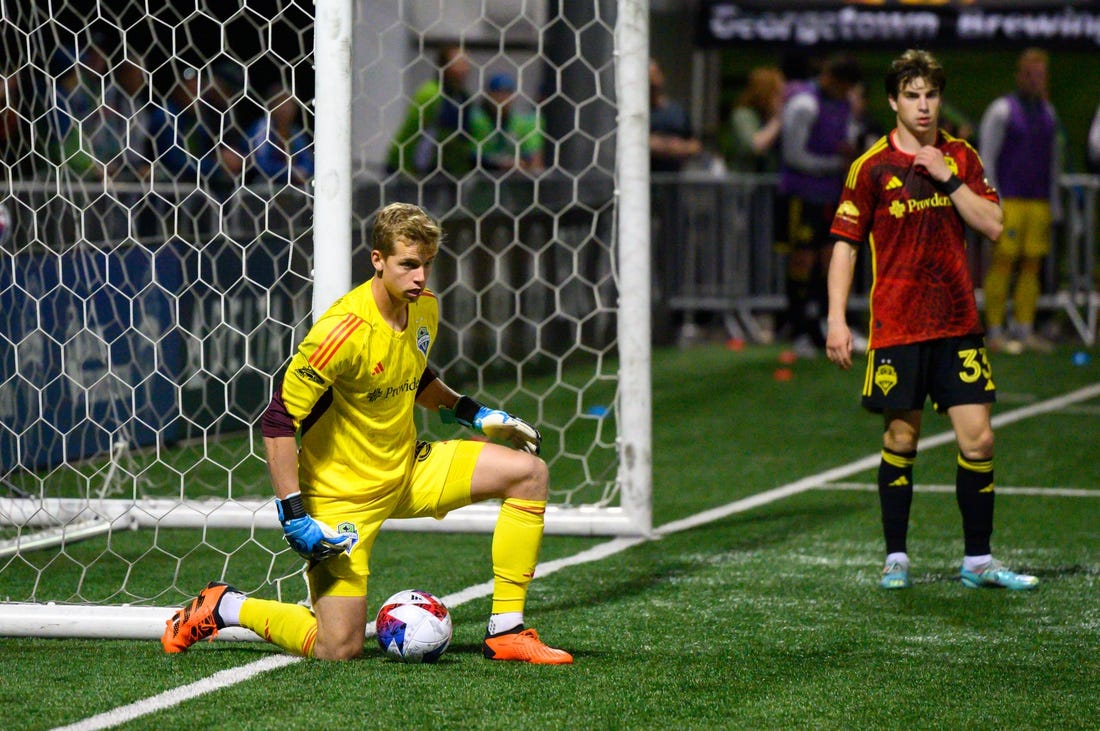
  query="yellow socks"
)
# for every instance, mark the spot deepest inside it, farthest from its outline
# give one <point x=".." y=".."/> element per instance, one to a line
<point x="290" y="626"/>
<point x="516" y="542"/>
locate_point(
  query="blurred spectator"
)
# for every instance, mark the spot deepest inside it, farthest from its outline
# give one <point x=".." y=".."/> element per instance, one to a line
<point x="123" y="141"/>
<point x="1023" y="160"/>
<point x="756" y="122"/>
<point x="442" y="126"/>
<point x="954" y="122"/>
<point x="671" y="139"/>
<point x="74" y="116"/>
<point x="221" y="112"/>
<point x="515" y="140"/>
<point x="1092" y="155"/>
<point x="863" y="129"/>
<point x="816" y="152"/>
<point x="187" y="147"/>
<point x="281" y="148"/>
<point x="15" y="135"/>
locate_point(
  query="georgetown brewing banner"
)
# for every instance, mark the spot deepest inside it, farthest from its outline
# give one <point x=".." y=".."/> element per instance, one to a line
<point x="819" y="25"/>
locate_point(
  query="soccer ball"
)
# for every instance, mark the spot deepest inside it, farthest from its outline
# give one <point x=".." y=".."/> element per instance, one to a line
<point x="413" y="626"/>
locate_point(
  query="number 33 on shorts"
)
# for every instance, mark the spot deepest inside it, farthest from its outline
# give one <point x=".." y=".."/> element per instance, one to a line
<point x="975" y="367"/>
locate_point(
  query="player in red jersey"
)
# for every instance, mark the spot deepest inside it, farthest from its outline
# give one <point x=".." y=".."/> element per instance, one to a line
<point x="910" y="197"/>
<point x="349" y="394"/>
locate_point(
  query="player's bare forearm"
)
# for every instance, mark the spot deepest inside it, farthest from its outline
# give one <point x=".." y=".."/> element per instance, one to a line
<point x="282" y="465"/>
<point x="838" y="340"/>
<point x="981" y="214"/>
<point x="438" y="394"/>
<point x="842" y="267"/>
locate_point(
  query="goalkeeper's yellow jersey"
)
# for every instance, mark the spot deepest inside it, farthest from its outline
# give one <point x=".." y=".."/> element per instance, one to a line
<point x="351" y="391"/>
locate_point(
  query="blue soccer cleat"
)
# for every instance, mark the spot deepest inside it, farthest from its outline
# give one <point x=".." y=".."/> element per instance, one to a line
<point x="996" y="576"/>
<point x="895" y="576"/>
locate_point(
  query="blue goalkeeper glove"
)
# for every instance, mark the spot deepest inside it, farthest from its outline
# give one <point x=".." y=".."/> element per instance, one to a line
<point x="494" y="423"/>
<point x="311" y="538"/>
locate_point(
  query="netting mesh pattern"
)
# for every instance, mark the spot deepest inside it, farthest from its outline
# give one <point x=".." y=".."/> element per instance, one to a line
<point x="156" y="259"/>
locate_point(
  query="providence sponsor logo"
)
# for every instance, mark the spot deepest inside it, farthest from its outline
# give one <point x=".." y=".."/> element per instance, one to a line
<point x="408" y="386"/>
<point x="923" y="204"/>
<point x="913" y="205"/>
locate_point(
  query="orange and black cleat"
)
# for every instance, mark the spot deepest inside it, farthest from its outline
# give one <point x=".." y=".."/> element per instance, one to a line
<point x="197" y="621"/>
<point x="523" y="645"/>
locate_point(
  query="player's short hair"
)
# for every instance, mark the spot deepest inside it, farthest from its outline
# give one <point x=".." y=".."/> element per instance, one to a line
<point x="447" y="53"/>
<point x="407" y="221"/>
<point x="844" y="68"/>
<point x="911" y="65"/>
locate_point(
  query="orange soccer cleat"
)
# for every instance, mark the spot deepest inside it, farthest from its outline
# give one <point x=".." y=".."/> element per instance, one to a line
<point x="523" y="645"/>
<point x="197" y="621"/>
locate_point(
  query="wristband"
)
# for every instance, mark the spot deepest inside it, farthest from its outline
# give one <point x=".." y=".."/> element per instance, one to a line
<point x="290" y="508"/>
<point x="464" y="412"/>
<point x="949" y="186"/>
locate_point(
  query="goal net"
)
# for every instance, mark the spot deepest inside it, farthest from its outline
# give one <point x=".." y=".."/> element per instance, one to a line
<point x="186" y="184"/>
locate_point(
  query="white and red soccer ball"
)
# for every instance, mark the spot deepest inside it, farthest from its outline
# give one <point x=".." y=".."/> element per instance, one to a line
<point x="413" y="626"/>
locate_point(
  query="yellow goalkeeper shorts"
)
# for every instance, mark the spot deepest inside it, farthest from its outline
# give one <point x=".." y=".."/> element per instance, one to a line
<point x="439" y="482"/>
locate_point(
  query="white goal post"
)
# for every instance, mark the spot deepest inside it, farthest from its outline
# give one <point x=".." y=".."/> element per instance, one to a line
<point x="151" y="289"/>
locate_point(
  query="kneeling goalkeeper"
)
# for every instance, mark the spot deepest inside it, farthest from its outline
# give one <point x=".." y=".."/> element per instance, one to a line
<point x="349" y="392"/>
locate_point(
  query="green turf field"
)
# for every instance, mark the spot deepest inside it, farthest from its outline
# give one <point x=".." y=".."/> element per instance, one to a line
<point x="761" y="618"/>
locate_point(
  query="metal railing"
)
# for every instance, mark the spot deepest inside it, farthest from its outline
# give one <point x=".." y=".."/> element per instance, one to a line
<point x="714" y="251"/>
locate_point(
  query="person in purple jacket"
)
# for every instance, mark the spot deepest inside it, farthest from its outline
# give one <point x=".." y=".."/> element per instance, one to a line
<point x="1018" y="141"/>
<point x="815" y="154"/>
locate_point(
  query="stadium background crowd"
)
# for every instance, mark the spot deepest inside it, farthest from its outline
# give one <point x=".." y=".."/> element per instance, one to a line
<point x="102" y="118"/>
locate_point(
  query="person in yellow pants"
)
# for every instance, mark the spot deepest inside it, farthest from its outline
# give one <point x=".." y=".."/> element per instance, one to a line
<point x="1023" y="159"/>
<point x="349" y="394"/>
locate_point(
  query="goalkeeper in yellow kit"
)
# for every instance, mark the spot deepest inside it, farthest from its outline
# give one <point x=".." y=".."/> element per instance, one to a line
<point x="349" y="393"/>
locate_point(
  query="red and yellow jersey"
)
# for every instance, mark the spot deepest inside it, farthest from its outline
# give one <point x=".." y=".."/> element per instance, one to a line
<point x="921" y="288"/>
<point x="350" y="390"/>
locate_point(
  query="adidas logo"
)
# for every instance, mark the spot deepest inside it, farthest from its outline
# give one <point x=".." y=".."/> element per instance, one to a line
<point x="378" y="368"/>
<point x="893" y="183"/>
<point x="900" y="482"/>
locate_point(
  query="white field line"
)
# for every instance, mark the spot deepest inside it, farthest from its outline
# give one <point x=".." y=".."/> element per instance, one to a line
<point x="231" y="676"/>
<point x="1034" y="491"/>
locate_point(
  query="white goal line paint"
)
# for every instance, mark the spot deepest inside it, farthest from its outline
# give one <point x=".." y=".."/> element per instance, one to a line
<point x="169" y="698"/>
<point x="231" y="676"/>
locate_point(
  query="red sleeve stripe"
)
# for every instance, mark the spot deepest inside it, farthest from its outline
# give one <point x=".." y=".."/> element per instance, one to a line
<point x="307" y="645"/>
<point x="333" y="341"/>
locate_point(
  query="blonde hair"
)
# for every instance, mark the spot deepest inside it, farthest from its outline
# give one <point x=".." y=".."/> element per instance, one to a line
<point x="404" y="220"/>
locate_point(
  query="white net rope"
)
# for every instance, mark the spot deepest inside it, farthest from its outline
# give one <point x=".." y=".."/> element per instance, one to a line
<point x="156" y="253"/>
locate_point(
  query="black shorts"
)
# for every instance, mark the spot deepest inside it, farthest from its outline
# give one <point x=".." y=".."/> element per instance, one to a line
<point x="803" y="225"/>
<point x="950" y="371"/>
